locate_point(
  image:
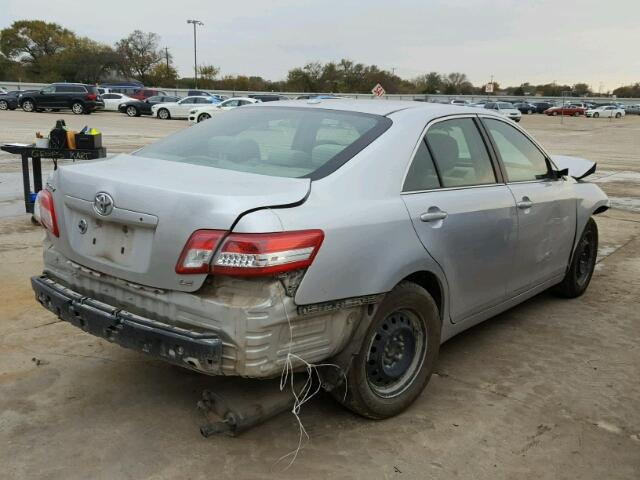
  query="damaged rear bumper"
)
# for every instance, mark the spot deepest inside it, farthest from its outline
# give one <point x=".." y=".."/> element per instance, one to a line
<point x="187" y="348"/>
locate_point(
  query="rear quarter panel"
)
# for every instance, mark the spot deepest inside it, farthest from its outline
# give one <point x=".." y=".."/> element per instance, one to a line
<point x="370" y="244"/>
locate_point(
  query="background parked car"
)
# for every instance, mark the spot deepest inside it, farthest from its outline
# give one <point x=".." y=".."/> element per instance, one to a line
<point x="633" y="109"/>
<point x="3" y="90"/>
<point x="113" y="100"/>
<point x="606" y="111"/>
<point x="267" y="97"/>
<point x="144" y="93"/>
<point x="205" y="112"/>
<point x="179" y="109"/>
<point x="505" y="108"/>
<point x="10" y="100"/>
<point x="541" y="107"/>
<point x="566" y="110"/>
<point x="127" y="88"/>
<point x="78" y="97"/>
<point x="135" y="108"/>
<point x="525" y="107"/>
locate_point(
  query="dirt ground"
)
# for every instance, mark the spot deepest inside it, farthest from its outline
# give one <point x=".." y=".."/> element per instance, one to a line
<point x="548" y="390"/>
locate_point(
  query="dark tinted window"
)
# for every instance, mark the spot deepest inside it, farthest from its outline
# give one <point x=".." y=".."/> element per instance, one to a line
<point x="422" y="174"/>
<point x="281" y="142"/>
<point x="521" y="158"/>
<point x="64" y="88"/>
<point x="460" y="153"/>
<point x="110" y="96"/>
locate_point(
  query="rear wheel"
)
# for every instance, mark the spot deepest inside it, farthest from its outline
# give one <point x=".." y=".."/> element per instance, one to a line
<point x="203" y="116"/>
<point x="4" y="105"/>
<point x="596" y="115"/>
<point x="554" y="113"/>
<point x="164" y="114"/>
<point x="132" y="111"/>
<point x="77" y="108"/>
<point x="28" y="106"/>
<point x="529" y="112"/>
<point x="577" y="114"/>
<point x="618" y="115"/>
<point x="580" y="271"/>
<point x="397" y="356"/>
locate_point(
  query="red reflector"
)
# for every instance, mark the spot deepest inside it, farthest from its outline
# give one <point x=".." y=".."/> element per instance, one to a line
<point x="91" y="96"/>
<point x="45" y="213"/>
<point x="249" y="254"/>
<point x="198" y="252"/>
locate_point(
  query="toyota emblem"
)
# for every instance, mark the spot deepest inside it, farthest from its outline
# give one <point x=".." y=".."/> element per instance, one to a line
<point x="103" y="203"/>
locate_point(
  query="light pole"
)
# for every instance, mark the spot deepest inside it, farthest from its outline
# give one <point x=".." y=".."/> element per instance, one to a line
<point x="195" y="54"/>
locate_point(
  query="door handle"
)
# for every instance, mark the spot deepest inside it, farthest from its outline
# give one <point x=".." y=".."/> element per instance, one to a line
<point x="524" y="203"/>
<point x="433" y="216"/>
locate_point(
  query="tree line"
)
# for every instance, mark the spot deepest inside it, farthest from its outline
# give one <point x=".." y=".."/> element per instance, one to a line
<point x="38" y="51"/>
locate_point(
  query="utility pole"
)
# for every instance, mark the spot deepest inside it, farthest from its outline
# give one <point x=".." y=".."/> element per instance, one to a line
<point x="166" y="56"/>
<point x="195" y="51"/>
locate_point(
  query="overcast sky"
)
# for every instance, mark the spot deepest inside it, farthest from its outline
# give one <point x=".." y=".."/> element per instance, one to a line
<point x="539" y="41"/>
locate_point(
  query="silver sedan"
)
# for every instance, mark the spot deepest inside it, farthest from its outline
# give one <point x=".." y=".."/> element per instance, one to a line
<point x="352" y="232"/>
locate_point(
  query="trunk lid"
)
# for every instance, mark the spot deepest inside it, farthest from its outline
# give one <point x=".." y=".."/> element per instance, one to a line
<point x="150" y="209"/>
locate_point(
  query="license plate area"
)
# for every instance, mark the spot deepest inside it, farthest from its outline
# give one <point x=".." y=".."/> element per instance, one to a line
<point x="117" y="244"/>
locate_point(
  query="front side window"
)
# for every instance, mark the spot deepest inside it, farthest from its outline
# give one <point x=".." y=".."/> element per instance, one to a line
<point x="522" y="160"/>
<point x="276" y="141"/>
<point x="49" y="89"/>
<point x="422" y="173"/>
<point x="460" y="153"/>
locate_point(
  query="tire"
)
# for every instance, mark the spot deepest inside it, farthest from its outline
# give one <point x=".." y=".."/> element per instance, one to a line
<point x="407" y="324"/>
<point x="583" y="262"/>
<point x="618" y="115"/>
<point x="517" y="120"/>
<point x="164" y="114"/>
<point x="4" y="105"/>
<point x="596" y="115"/>
<point x="203" y="116"/>
<point x="28" y="105"/>
<point x="554" y="114"/>
<point x="77" y="108"/>
<point x="132" y="111"/>
<point x="529" y="112"/>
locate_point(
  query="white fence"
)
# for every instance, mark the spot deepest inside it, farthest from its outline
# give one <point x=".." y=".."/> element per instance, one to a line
<point x="181" y="92"/>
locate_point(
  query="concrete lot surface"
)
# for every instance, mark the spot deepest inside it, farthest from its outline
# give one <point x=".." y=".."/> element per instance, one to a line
<point x="548" y="390"/>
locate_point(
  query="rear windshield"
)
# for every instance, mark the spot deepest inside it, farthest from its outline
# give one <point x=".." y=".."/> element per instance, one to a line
<point x="276" y="141"/>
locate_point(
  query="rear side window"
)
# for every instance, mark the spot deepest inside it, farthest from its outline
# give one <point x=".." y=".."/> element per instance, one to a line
<point x="460" y="153"/>
<point x="276" y="141"/>
<point x="522" y="160"/>
<point x="422" y="174"/>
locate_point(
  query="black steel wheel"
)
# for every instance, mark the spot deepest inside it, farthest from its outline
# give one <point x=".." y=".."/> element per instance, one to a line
<point x="397" y="355"/>
<point x="583" y="263"/>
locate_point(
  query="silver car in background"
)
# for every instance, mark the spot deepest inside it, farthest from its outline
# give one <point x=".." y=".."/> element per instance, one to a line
<point x="361" y="233"/>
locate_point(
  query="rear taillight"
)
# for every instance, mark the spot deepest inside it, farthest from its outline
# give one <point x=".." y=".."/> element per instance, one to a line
<point x="198" y="252"/>
<point x="249" y="254"/>
<point x="45" y="213"/>
<point x="91" y="96"/>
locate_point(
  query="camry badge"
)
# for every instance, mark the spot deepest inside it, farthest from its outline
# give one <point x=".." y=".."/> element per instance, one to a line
<point x="103" y="203"/>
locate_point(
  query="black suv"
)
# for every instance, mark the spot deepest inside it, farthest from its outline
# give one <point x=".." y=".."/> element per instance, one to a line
<point x="80" y="98"/>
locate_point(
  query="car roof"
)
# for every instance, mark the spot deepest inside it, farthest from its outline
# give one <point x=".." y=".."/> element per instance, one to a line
<point x="373" y="106"/>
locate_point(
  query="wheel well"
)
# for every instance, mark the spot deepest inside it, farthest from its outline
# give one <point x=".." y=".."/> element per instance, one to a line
<point x="431" y="284"/>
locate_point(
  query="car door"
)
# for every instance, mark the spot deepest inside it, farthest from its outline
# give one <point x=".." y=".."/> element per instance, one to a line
<point x="183" y="107"/>
<point x="46" y="98"/>
<point x="463" y="213"/>
<point x="546" y="207"/>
